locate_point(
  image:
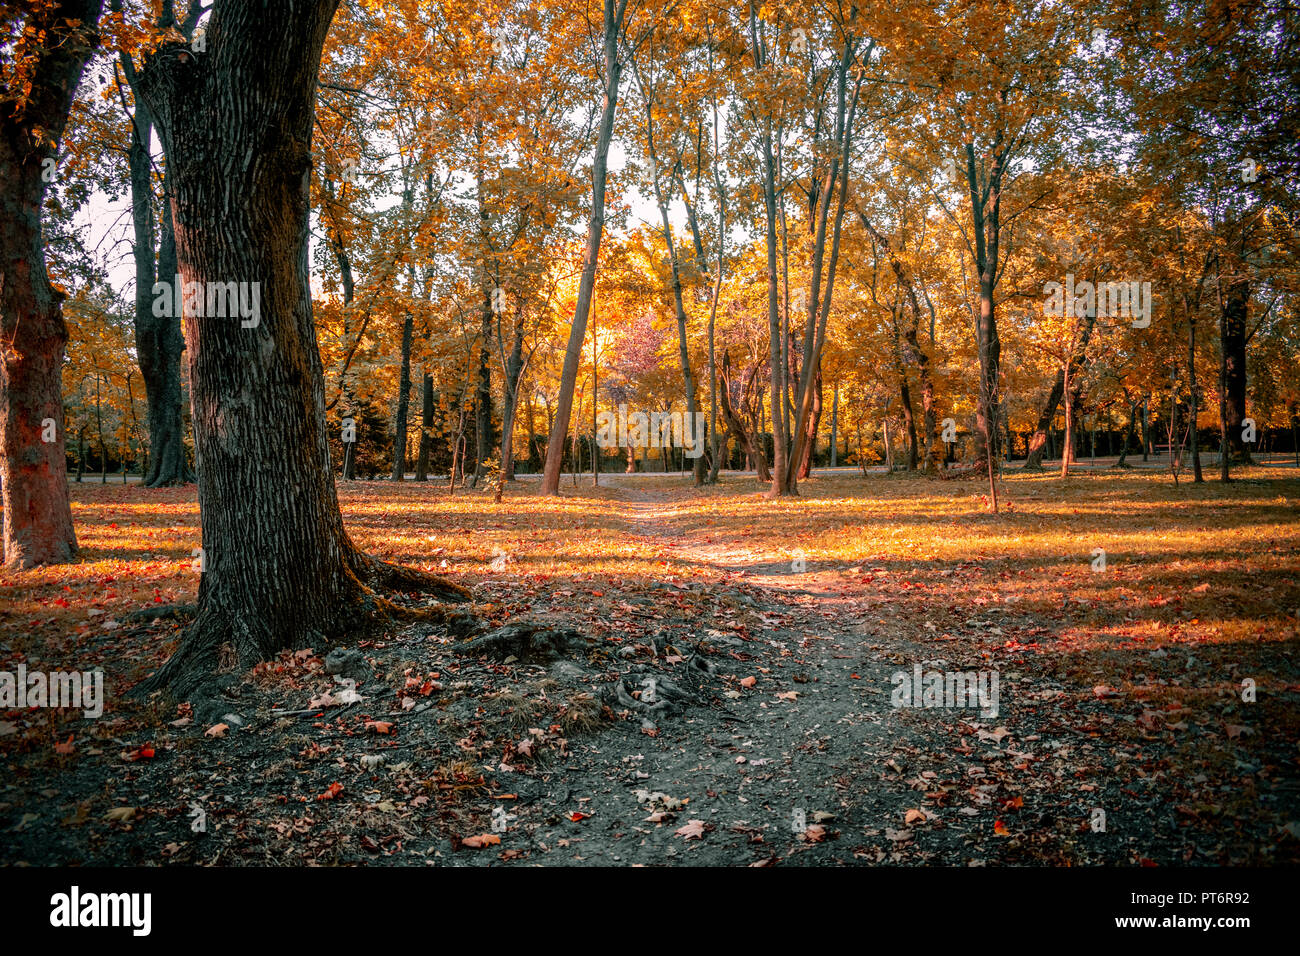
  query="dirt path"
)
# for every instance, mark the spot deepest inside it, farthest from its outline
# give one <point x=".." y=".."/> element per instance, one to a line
<point x="782" y="761"/>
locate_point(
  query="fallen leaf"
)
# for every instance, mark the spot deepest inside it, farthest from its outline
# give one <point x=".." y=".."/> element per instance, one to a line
<point x="813" y="833"/>
<point x="693" y="830"/>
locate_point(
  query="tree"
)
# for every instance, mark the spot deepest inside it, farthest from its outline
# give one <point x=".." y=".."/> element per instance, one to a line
<point x="279" y="570"/>
<point x="158" y="338"/>
<point x="38" y="80"/>
<point x="611" y="75"/>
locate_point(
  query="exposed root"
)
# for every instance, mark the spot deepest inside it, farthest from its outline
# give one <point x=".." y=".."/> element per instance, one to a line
<point x="456" y="621"/>
<point x="163" y="612"/>
<point x="221" y="638"/>
<point x="527" y="641"/>
<point x="399" y="577"/>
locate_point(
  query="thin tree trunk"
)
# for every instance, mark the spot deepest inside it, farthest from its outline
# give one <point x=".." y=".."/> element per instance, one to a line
<point x="426" y="429"/>
<point x="835" y="426"/>
<point x="158" y="339"/>
<point x="1232" y="331"/>
<point x="1194" y="441"/>
<point x="403" y="400"/>
<point x="614" y="11"/>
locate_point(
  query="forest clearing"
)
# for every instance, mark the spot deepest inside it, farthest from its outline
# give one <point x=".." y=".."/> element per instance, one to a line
<point x="1119" y="689"/>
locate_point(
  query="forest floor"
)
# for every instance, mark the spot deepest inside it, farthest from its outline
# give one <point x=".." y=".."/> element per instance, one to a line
<point x="726" y="692"/>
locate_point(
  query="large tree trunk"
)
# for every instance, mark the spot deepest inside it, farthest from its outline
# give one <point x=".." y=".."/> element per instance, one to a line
<point x="675" y="273"/>
<point x="1128" y="435"/>
<point x="986" y="206"/>
<point x="279" y="569"/>
<point x="37" y="514"/>
<point x="614" y="11"/>
<point x="780" y="468"/>
<point x="912" y="347"/>
<point x="835" y="426"/>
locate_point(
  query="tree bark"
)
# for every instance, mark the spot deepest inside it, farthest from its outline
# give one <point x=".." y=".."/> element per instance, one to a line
<point x="280" y="570"/>
<point x="37" y="513"/>
<point x="809" y="443"/>
<point x="909" y="420"/>
<point x="814" y="339"/>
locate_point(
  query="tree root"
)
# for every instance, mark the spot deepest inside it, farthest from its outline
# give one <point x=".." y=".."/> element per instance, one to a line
<point x="221" y="639"/>
<point x="399" y="577"/>
<point x="527" y="641"/>
<point x="162" y="612"/>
